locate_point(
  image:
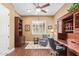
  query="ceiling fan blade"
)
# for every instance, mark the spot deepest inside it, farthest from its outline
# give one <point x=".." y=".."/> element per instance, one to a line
<point x="45" y="5"/>
<point x="44" y="11"/>
<point x="36" y="5"/>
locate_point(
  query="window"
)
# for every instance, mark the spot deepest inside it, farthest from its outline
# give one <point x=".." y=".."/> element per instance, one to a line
<point x="38" y="27"/>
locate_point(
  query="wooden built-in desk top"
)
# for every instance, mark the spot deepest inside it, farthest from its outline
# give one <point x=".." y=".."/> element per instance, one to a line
<point x="74" y="46"/>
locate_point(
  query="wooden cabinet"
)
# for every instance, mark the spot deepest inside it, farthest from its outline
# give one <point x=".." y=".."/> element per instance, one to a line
<point x="69" y="23"/>
<point x="19" y="38"/>
<point x="76" y="22"/>
<point x="59" y="26"/>
<point x="68" y="29"/>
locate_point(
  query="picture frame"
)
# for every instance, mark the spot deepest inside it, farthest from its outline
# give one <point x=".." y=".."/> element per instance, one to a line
<point x="27" y="27"/>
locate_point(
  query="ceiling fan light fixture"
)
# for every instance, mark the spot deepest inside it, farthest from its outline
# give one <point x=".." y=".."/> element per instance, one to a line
<point x="38" y="10"/>
<point x="28" y="10"/>
<point x="47" y="10"/>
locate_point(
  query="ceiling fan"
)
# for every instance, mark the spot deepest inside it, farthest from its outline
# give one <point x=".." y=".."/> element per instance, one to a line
<point x="41" y="7"/>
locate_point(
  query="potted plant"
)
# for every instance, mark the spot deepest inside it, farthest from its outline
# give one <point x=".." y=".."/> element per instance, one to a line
<point x="73" y="7"/>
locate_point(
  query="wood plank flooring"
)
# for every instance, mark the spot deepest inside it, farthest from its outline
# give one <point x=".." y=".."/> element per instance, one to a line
<point x="30" y="52"/>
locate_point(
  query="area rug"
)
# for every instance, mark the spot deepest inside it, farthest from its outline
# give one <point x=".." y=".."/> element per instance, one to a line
<point x="31" y="45"/>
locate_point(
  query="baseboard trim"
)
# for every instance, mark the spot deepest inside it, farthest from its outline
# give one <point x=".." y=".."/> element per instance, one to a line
<point x="10" y="50"/>
<point x="7" y="52"/>
<point x="4" y="53"/>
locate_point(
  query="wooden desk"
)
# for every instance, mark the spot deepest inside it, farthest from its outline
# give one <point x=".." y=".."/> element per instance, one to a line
<point x="73" y="46"/>
<point x="62" y="42"/>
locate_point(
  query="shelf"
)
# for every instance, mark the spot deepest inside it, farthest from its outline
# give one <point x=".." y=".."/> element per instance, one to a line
<point x="68" y="30"/>
<point x="20" y="29"/>
<point x="20" y="23"/>
<point x="68" y="20"/>
<point x="68" y="26"/>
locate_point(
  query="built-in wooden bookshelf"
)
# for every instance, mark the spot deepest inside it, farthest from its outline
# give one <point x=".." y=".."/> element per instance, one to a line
<point x="69" y="22"/>
<point x="19" y="38"/>
<point x="68" y="25"/>
<point x="68" y="30"/>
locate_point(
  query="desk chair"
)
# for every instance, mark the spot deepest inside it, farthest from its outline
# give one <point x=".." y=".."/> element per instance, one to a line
<point x="56" y="47"/>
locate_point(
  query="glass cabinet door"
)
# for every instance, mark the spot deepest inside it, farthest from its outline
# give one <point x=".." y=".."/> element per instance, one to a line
<point x="76" y="22"/>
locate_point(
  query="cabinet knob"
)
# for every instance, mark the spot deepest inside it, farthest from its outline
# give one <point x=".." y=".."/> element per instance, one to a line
<point x="8" y="36"/>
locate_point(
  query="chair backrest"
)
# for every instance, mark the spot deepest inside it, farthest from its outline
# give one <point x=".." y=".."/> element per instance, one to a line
<point x="52" y="43"/>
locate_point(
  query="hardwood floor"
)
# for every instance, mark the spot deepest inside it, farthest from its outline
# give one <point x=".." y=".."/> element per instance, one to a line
<point x="30" y="52"/>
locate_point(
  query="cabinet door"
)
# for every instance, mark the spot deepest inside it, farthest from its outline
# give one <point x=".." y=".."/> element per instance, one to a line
<point x="76" y="22"/>
<point x="59" y="26"/>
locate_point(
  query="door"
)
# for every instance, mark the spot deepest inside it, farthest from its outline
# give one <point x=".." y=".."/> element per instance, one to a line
<point x="4" y="30"/>
<point x="76" y="22"/>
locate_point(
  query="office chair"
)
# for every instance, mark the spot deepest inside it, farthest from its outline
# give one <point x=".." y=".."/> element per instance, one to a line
<point x="56" y="47"/>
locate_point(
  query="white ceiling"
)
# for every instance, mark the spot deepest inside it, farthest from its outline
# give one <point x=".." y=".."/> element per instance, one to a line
<point x="22" y="8"/>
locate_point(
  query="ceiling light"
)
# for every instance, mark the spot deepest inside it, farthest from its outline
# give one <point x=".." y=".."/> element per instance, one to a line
<point x="28" y="10"/>
<point x="38" y="9"/>
<point x="47" y="10"/>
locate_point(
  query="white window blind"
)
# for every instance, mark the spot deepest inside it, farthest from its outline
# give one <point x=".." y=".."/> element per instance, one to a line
<point x="38" y="27"/>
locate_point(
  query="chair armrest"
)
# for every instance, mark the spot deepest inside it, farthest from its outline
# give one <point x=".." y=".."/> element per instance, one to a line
<point x="58" y="44"/>
<point x="60" y="47"/>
